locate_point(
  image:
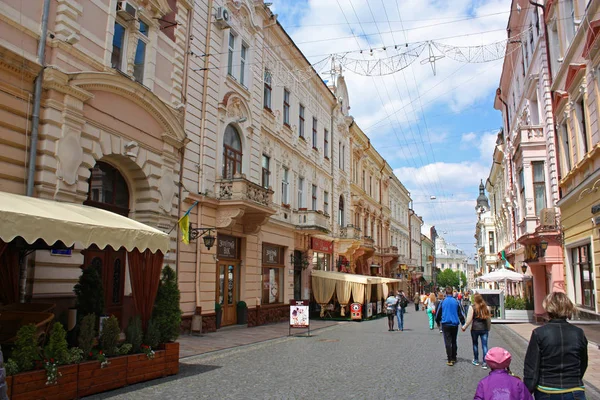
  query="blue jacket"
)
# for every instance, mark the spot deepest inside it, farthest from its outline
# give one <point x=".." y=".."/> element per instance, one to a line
<point x="449" y="312"/>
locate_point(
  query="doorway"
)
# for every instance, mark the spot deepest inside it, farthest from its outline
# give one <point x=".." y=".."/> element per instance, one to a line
<point x="297" y="275"/>
<point x="110" y="265"/>
<point x="228" y="274"/>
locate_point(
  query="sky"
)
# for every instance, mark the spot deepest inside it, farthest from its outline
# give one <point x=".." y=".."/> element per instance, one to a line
<point x="437" y="131"/>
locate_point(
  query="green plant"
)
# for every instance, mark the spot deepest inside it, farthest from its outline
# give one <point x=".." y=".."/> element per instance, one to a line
<point x="90" y="293"/>
<point x="52" y="374"/>
<point x="26" y="350"/>
<point x="529" y="304"/>
<point x="87" y="334"/>
<point x="124" y="349"/>
<point x="509" y="302"/>
<point x="242" y="304"/>
<point x="75" y="355"/>
<point x="57" y="347"/>
<point x="134" y="333"/>
<point x="166" y="313"/>
<point x="147" y="350"/>
<point x="11" y="367"/>
<point x="217" y="307"/>
<point x="152" y="337"/>
<point x="109" y="338"/>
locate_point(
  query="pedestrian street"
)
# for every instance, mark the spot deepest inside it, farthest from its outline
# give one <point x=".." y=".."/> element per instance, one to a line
<point x="357" y="360"/>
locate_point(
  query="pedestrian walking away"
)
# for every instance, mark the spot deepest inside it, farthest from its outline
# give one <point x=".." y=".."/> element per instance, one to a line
<point x="501" y="384"/>
<point x="557" y="356"/>
<point x="401" y="309"/>
<point x="480" y="319"/>
<point x="422" y="301"/>
<point x="391" y="304"/>
<point x="417" y="299"/>
<point x="450" y="315"/>
<point x="430" y="308"/>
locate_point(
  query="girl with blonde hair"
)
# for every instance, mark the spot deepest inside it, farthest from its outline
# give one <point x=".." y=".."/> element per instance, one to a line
<point x="479" y="315"/>
<point x="430" y="307"/>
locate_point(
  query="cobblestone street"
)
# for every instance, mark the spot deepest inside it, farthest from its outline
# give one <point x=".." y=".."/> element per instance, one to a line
<point x="351" y="360"/>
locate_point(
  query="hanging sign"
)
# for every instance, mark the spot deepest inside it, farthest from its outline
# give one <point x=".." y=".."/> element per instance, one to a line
<point x="272" y="254"/>
<point x="356" y="311"/>
<point x="322" y="246"/>
<point x="227" y="246"/>
<point x="299" y="314"/>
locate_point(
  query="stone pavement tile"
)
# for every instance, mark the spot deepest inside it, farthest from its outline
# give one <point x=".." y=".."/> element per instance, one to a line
<point x="592" y="374"/>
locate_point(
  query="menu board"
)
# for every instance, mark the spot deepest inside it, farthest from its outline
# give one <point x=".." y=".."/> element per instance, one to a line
<point x="299" y="314"/>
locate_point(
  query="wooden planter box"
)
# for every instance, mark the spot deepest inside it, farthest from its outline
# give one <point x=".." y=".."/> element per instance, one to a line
<point x="171" y="358"/>
<point x="519" y="315"/>
<point x="140" y="368"/>
<point x="32" y="385"/>
<point x="95" y="379"/>
<point x="9" y="380"/>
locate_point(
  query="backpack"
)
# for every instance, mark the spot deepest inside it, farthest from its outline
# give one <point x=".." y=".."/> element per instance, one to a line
<point x="403" y="302"/>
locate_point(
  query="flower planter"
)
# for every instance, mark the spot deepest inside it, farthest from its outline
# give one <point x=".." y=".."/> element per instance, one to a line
<point x="9" y="380"/>
<point x="519" y="315"/>
<point x="171" y="358"/>
<point x="32" y="385"/>
<point x="140" y="368"/>
<point x="95" y="379"/>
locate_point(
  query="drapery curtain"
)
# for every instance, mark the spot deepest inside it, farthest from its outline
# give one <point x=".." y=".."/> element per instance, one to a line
<point x="343" y="290"/>
<point x="358" y="292"/>
<point x="144" y="269"/>
<point x="379" y="291"/>
<point x="323" y="291"/>
<point x="9" y="273"/>
<point x="385" y="290"/>
<point x="368" y="293"/>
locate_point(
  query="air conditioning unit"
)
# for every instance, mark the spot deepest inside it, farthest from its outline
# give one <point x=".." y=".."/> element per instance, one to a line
<point x="126" y="10"/>
<point x="222" y="17"/>
<point x="548" y="217"/>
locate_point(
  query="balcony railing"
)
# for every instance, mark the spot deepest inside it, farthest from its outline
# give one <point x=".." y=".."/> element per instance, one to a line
<point x="530" y="135"/>
<point x="350" y="232"/>
<point x="313" y="220"/>
<point x="367" y="241"/>
<point x="241" y="189"/>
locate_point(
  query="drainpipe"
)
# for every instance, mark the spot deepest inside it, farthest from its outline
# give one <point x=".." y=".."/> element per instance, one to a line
<point x="37" y="100"/>
<point x="498" y="93"/>
<point x="204" y="94"/>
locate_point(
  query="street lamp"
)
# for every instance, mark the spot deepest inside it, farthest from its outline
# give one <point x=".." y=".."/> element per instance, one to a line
<point x="205" y="234"/>
<point x="524" y="268"/>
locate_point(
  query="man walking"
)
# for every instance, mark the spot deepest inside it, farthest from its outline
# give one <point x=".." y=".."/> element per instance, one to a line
<point x="417" y="299"/>
<point x="401" y="308"/>
<point x="450" y="314"/>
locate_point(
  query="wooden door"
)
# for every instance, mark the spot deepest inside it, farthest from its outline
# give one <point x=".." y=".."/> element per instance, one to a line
<point x="227" y="291"/>
<point x="110" y="265"/>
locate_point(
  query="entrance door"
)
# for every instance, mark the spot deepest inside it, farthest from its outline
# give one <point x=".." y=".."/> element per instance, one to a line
<point x="297" y="275"/>
<point x="227" y="291"/>
<point x="110" y="264"/>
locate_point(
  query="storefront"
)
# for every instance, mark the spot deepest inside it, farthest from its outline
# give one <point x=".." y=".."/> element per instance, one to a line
<point x="228" y="277"/>
<point x="322" y="253"/>
<point x="273" y="269"/>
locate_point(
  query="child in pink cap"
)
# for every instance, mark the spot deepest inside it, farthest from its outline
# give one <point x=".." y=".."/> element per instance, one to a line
<point x="500" y="384"/>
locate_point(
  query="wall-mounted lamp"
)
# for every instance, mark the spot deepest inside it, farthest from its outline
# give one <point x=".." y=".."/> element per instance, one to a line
<point x="524" y="268"/>
<point x="301" y="261"/>
<point x="205" y="234"/>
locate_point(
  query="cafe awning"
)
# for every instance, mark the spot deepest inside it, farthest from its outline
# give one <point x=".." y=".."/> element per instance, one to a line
<point x="33" y="218"/>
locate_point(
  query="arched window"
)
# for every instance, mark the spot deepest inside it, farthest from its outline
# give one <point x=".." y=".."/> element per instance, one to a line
<point x="108" y="189"/>
<point x="341" y="212"/>
<point x="232" y="153"/>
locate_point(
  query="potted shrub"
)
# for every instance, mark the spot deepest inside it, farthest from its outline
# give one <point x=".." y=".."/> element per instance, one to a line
<point x="166" y="315"/>
<point x="89" y="293"/>
<point x="242" y="313"/>
<point x="219" y="314"/>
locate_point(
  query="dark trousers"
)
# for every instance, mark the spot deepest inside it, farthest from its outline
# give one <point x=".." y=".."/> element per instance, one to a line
<point x="416" y="306"/>
<point x="450" y="334"/>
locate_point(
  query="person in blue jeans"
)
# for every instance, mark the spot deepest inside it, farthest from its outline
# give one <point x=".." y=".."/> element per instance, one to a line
<point x="401" y="308"/>
<point x="450" y="315"/>
<point x="480" y="319"/>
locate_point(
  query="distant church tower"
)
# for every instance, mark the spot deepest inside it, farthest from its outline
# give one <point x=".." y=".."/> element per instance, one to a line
<point x="483" y="204"/>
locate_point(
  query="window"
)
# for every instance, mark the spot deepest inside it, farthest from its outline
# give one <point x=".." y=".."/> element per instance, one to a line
<point x="140" y="53"/>
<point x="554" y="47"/>
<point x="539" y="186"/>
<point x="300" y="193"/>
<point x="314" y="197"/>
<point x="314" y="133"/>
<point x="583" y="275"/>
<point x="491" y="243"/>
<point x="118" y="50"/>
<point x="326" y="202"/>
<point x="522" y="184"/>
<point x="301" y="121"/>
<point x="370" y="186"/>
<point x="326" y="143"/>
<point x="564" y="140"/>
<point x="232" y="153"/>
<point x="321" y="261"/>
<point x="108" y="189"/>
<point x="285" y="187"/>
<point x="341" y="212"/>
<point x="534" y="112"/>
<point x="272" y="274"/>
<point x="243" y="57"/>
<point x="230" y="52"/>
<point x="569" y="20"/>
<point x="363" y="179"/>
<point x="286" y="107"/>
<point x="343" y="158"/>
<point x="580" y="113"/>
<point x="265" y="171"/>
<point x="267" y="91"/>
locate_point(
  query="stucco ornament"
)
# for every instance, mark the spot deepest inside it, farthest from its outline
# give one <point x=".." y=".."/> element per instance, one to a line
<point x="235" y="108"/>
<point x="70" y="155"/>
<point x="166" y="187"/>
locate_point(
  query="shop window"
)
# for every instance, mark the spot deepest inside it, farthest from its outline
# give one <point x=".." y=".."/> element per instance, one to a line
<point x="286" y="107"/>
<point x="108" y="189"/>
<point x="583" y="275"/>
<point x="272" y="274"/>
<point x="322" y="261"/>
<point x="539" y="186"/>
<point x="232" y="153"/>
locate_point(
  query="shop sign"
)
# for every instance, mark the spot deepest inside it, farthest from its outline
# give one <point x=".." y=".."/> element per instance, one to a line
<point x="299" y="317"/>
<point x="227" y="246"/>
<point x="369" y="310"/>
<point x="322" y="246"/>
<point x="532" y="253"/>
<point x="272" y="254"/>
<point x="356" y="311"/>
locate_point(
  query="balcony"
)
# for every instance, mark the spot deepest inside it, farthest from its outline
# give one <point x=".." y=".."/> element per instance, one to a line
<point x="313" y="222"/>
<point x="368" y="242"/>
<point x="244" y="202"/>
<point x="529" y="136"/>
<point x="390" y="251"/>
<point x="349" y="240"/>
<point x="350" y="232"/>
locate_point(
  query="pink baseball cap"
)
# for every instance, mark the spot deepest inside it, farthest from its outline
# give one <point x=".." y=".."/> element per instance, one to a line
<point x="498" y="358"/>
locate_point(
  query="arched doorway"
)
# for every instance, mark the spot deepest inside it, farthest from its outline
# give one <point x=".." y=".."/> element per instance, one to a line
<point x="108" y="190"/>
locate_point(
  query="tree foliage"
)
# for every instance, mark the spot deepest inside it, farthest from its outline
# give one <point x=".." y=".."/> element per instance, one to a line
<point x="87" y="334"/>
<point x="57" y="347"/>
<point x="26" y="351"/>
<point x="109" y="338"/>
<point x="447" y="278"/>
<point x="166" y="313"/>
<point x="90" y="293"/>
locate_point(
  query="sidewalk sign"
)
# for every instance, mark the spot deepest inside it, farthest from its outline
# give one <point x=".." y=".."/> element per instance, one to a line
<point x="356" y="311"/>
<point x="299" y="315"/>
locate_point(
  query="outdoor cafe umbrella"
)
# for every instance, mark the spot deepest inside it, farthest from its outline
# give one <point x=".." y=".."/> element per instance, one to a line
<point x="503" y="275"/>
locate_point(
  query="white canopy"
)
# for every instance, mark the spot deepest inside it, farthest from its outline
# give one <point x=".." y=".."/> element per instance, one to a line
<point x="33" y="218"/>
<point x="501" y="275"/>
